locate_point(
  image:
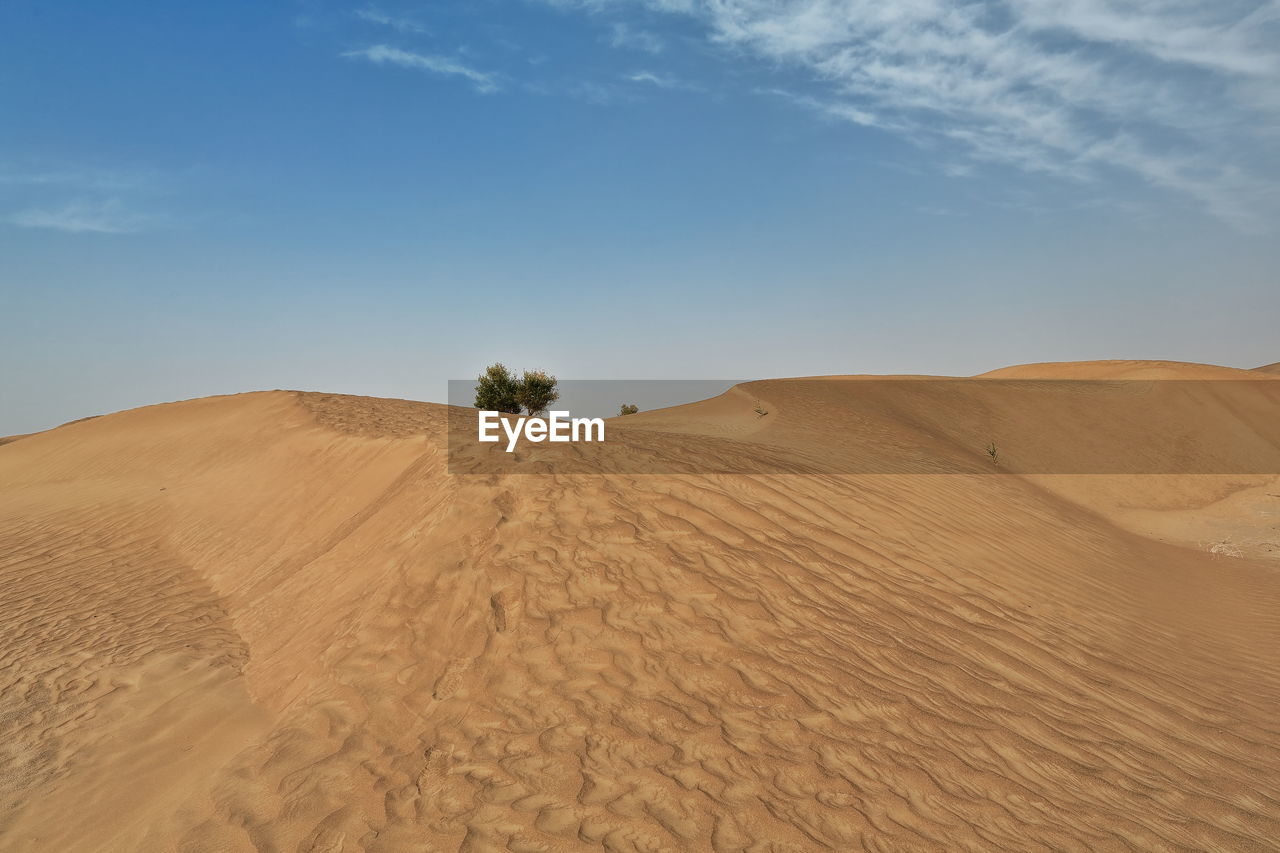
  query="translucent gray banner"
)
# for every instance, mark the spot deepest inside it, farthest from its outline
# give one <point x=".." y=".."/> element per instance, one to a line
<point x="880" y="426"/>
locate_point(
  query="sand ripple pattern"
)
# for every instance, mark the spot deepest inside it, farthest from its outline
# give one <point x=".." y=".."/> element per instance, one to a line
<point x="406" y="661"/>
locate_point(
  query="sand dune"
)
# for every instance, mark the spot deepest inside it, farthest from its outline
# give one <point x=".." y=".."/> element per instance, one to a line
<point x="274" y="621"/>
<point x="1120" y="369"/>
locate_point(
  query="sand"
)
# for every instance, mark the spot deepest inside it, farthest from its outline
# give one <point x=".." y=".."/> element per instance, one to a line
<point x="274" y="622"/>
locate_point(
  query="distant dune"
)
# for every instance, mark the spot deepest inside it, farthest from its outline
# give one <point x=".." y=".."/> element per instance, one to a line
<point x="1119" y="369"/>
<point x="1270" y="368"/>
<point x="274" y="621"/>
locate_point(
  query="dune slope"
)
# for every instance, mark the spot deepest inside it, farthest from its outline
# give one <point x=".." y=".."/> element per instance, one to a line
<point x="274" y="621"/>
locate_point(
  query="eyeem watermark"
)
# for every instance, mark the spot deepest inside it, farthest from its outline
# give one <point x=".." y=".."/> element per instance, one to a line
<point x="886" y="426"/>
<point x="558" y="427"/>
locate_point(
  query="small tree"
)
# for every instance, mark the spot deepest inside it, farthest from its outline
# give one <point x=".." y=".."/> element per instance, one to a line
<point x="993" y="453"/>
<point x="536" y="390"/>
<point x="629" y="409"/>
<point x="498" y="391"/>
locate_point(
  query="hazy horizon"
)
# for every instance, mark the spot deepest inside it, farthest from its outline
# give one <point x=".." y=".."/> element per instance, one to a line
<point x="376" y="198"/>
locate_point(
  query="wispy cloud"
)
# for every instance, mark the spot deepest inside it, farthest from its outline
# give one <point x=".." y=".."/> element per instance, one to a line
<point x="1220" y="36"/>
<point x="81" y="199"/>
<point x="384" y="55"/>
<point x="1179" y="94"/>
<point x="661" y="80"/>
<point x="89" y="180"/>
<point x="934" y="210"/>
<point x="599" y="94"/>
<point x="397" y="23"/>
<point x="623" y="35"/>
<point x="830" y="108"/>
<point x="84" y="216"/>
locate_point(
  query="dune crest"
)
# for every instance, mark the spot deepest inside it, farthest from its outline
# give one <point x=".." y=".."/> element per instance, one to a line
<point x="274" y="621"/>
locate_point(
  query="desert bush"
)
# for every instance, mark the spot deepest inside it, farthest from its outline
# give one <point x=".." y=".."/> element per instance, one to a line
<point x="497" y="390"/>
<point x="536" y="390"/>
<point x="993" y="453"/>
<point x="629" y="409"/>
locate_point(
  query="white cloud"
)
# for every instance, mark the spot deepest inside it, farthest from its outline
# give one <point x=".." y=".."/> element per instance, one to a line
<point x="599" y="94"/>
<point x="624" y="35"/>
<point x="89" y="180"/>
<point x="1218" y="35"/>
<point x="828" y="108"/>
<point x="662" y="81"/>
<point x="1179" y="93"/>
<point x="384" y="55"/>
<point x="400" y="25"/>
<point x="77" y="217"/>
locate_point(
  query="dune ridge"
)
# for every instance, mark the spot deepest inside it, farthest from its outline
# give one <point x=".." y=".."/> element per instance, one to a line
<point x="273" y="621"/>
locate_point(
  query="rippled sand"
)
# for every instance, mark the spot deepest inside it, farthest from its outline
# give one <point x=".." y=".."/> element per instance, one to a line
<point x="274" y="622"/>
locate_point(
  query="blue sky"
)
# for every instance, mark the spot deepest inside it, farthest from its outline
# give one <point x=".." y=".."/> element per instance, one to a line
<point x="375" y="198"/>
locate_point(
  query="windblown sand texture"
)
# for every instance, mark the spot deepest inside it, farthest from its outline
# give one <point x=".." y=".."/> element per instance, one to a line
<point x="274" y="622"/>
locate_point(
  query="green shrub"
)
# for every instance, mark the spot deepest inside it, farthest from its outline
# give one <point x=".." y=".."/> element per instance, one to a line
<point x="536" y="390"/>
<point x="629" y="409"/>
<point x="498" y="391"/>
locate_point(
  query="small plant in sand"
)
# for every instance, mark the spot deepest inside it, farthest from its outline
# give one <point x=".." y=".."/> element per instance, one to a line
<point x="628" y="409"/>
<point x="993" y="453"/>
<point x="536" y="391"/>
<point x="496" y="390"/>
<point x="499" y="390"/>
<point x="760" y="410"/>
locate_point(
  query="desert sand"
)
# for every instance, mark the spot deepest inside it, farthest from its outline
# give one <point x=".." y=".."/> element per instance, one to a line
<point x="275" y="622"/>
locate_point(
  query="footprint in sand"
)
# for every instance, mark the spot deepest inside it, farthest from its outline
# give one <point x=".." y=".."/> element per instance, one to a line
<point x="498" y="603"/>
<point x="451" y="679"/>
<point x="432" y="775"/>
